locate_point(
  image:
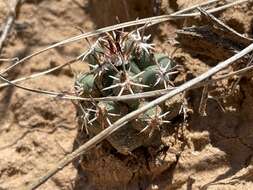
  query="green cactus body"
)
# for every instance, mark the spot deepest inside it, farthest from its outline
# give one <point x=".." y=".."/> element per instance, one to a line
<point x="105" y="110"/>
<point x="163" y="60"/>
<point x="87" y="83"/>
<point x="150" y="76"/>
<point x="94" y="128"/>
<point x="112" y="107"/>
<point x="93" y="57"/>
<point x="146" y="117"/>
<point x="142" y="68"/>
<point x="133" y="67"/>
<point x="129" y="46"/>
<point x="174" y="106"/>
<point x="109" y="110"/>
<point x="143" y="60"/>
<point x="123" y="77"/>
<point x="104" y="81"/>
<point x="133" y="104"/>
<point x="154" y="72"/>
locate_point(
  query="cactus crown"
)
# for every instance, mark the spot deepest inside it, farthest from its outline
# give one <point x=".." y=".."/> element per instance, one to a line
<point x="125" y="63"/>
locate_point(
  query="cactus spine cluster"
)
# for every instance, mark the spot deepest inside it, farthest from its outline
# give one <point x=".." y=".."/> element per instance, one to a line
<point x="122" y="64"/>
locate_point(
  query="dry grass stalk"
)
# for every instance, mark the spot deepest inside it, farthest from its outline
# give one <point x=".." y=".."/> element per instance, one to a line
<point x="10" y="20"/>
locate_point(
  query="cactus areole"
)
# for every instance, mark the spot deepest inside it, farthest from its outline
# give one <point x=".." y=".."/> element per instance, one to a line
<point x="120" y="64"/>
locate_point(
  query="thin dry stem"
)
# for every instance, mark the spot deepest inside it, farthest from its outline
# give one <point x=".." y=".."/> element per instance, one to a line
<point x="222" y="25"/>
<point x="38" y="74"/>
<point x="9" y="23"/>
<point x="203" y="101"/>
<point x="148" y="94"/>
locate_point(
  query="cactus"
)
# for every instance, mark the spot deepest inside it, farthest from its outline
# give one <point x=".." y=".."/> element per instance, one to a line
<point x="124" y="64"/>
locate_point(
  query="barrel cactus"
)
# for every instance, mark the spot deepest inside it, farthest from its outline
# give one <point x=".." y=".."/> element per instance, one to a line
<point x="124" y="64"/>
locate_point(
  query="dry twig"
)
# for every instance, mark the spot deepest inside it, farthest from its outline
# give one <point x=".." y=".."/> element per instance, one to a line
<point x="9" y="23"/>
<point x="8" y="60"/>
<point x="39" y="74"/>
<point x="148" y="94"/>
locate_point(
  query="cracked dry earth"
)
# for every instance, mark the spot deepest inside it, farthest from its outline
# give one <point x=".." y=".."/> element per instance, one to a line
<point x="212" y="152"/>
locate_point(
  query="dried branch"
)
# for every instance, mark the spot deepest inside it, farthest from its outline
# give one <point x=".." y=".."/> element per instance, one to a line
<point x="8" y="60"/>
<point x="39" y="73"/>
<point x="9" y="23"/>
<point x="148" y="94"/>
<point x="215" y="40"/>
<point x="222" y="26"/>
<point x="203" y="101"/>
<point x="186" y="10"/>
<point x="122" y="121"/>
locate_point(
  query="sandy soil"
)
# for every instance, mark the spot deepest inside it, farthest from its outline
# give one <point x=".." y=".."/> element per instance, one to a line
<point x="212" y="152"/>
